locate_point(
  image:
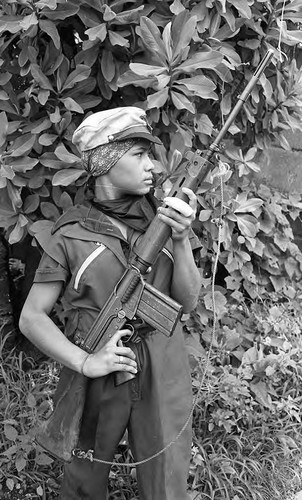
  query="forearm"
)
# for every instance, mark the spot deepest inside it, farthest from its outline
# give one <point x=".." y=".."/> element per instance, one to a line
<point x="44" y="334"/>
<point x="186" y="278"/>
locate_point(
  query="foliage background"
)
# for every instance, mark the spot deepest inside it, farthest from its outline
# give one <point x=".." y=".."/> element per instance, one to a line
<point x="185" y="63"/>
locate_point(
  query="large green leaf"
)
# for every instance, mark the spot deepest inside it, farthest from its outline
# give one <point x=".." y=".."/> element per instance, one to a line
<point x="89" y="101"/>
<point x="19" y="230"/>
<point x="128" y="16"/>
<point x="151" y="37"/>
<point x="130" y="78"/>
<point x="62" y="11"/>
<point x="72" y="105"/>
<point x="158" y="99"/>
<point x="199" y="85"/>
<point x="50" y="160"/>
<point x="49" y="210"/>
<point x="248" y="225"/>
<point x="50" y="4"/>
<point x="51" y="30"/>
<point x="22" y="145"/>
<point x="40" y="78"/>
<point x="28" y="21"/>
<point x="147" y="70"/>
<point x="3" y="128"/>
<point x="182" y="33"/>
<point x="243" y="7"/>
<point x="67" y="176"/>
<point x="167" y="40"/>
<point x="97" y="32"/>
<point x="23" y="163"/>
<point x="78" y="75"/>
<point x="31" y="203"/>
<point x="219" y="302"/>
<point x="64" y="155"/>
<point x="10" y="23"/>
<point x="116" y="39"/>
<point x="250" y="205"/>
<point x="206" y="59"/>
<point x="181" y="102"/>
<point x="36" y="127"/>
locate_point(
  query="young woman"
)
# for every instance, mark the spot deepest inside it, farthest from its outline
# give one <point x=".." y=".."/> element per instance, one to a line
<point x="83" y="260"/>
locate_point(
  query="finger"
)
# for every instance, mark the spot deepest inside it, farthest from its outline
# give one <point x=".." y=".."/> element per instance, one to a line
<point x="123" y="361"/>
<point x="179" y="205"/>
<point x="125" y="351"/>
<point x="126" y="368"/>
<point x="117" y="336"/>
<point x="192" y="197"/>
<point x="175" y="220"/>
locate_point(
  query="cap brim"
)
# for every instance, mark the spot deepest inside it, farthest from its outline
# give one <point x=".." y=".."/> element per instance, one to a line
<point x="139" y="134"/>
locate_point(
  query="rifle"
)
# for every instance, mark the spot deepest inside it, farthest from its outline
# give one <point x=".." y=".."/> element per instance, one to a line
<point x="132" y="298"/>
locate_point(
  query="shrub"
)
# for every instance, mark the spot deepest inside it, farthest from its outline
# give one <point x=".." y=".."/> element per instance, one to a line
<point x="247" y="419"/>
<point x="25" y="400"/>
<point x="184" y="63"/>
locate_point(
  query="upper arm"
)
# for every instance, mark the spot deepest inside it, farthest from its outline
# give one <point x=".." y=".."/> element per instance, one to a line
<point x="42" y="297"/>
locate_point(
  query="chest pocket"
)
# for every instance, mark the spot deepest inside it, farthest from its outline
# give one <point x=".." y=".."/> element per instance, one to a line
<point x="89" y="259"/>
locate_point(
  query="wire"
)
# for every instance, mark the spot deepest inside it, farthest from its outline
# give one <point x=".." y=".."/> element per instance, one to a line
<point x="280" y="33"/>
<point x="89" y="455"/>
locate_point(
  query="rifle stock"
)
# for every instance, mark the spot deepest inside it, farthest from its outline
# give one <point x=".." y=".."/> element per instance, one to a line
<point x="59" y="434"/>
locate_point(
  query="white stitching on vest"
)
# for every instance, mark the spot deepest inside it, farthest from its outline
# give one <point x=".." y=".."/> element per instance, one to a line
<point x="86" y="263"/>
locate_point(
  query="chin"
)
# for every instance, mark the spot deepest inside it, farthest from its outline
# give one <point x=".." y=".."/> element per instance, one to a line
<point x="140" y="192"/>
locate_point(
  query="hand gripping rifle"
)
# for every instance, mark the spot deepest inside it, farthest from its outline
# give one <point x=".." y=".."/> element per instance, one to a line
<point x="131" y="300"/>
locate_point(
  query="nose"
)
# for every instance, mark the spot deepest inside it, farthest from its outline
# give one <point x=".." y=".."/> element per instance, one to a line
<point x="149" y="165"/>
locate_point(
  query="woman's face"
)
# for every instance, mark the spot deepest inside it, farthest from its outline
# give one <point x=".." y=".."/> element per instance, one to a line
<point x="132" y="174"/>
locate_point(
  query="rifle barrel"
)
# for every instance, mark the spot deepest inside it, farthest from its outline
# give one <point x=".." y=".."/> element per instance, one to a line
<point x="158" y="232"/>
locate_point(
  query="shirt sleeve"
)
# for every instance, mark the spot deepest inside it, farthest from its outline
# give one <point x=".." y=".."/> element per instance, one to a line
<point x="50" y="270"/>
<point x="53" y="265"/>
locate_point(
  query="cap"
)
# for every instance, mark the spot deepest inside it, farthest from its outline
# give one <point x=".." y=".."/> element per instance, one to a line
<point x="113" y="125"/>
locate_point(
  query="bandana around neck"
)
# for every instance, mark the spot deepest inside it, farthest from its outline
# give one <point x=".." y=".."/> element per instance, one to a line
<point x="136" y="212"/>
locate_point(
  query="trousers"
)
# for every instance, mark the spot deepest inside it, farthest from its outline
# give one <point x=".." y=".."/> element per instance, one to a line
<point x="153" y="408"/>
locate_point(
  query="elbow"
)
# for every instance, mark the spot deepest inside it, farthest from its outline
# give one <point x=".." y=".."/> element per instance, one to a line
<point x="24" y="323"/>
<point x="189" y="306"/>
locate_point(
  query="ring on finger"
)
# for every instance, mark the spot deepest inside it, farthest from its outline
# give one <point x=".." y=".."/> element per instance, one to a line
<point x="121" y="359"/>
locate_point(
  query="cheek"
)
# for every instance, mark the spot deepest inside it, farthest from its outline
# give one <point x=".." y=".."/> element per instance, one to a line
<point x="129" y="176"/>
<point x="125" y="178"/>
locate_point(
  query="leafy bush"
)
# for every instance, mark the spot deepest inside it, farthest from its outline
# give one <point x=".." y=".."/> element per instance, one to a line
<point x="247" y="420"/>
<point x="246" y="423"/>
<point x="25" y="400"/>
<point x="184" y="63"/>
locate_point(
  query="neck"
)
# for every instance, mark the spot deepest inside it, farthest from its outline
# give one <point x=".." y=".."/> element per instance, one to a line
<point x="106" y="191"/>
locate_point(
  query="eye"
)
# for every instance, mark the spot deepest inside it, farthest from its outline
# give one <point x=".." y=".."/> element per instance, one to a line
<point x="140" y="153"/>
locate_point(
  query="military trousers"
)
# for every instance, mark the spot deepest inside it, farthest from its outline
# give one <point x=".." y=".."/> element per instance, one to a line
<point x="153" y="408"/>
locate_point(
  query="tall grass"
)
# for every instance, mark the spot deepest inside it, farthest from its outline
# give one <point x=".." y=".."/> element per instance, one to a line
<point x="259" y="463"/>
<point x="26" y="390"/>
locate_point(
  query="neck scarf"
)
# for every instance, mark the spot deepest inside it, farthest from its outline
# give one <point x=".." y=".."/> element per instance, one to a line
<point x="136" y="212"/>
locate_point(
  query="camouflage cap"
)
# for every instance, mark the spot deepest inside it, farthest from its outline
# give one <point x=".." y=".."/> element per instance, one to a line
<point x="113" y="125"/>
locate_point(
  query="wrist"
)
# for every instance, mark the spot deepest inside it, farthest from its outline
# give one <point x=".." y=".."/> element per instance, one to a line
<point x="180" y="240"/>
<point x="82" y="369"/>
